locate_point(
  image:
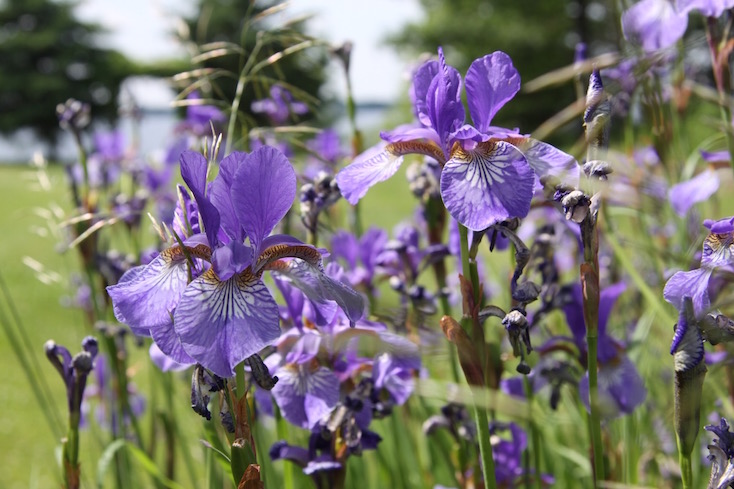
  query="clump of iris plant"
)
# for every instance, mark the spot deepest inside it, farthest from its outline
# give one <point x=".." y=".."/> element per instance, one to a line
<point x="489" y="173"/>
<point x="203" y="299"/>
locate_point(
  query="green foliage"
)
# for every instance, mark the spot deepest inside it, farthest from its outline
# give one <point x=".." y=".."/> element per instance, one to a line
<point x="256" y="37"/>
<point x="48" y="56"/>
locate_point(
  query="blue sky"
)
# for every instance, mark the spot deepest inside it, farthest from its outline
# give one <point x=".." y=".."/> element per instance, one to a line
<point x="142" y="30"/>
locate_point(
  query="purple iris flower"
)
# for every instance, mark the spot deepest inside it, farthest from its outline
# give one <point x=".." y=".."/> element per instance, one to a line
<point x="654" y="24"/>
<point x="620" y="386"/>
<point x="109" y="146"/>
<point x="489" y="173"/>
<point x="280" y="106"/>
<point x="507" y="453"/>
<point x="718" y="253"/>
<point x="684" y="195"/>
<point x="200" y="117"/>
<point x="226" y="313"/>
<point x="707" y="8"/>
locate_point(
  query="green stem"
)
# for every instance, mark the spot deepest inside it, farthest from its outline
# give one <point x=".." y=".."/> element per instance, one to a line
<point x="282" y="429"/>
<point x="485" y="447"/>
<point x="477" y="334"/>
<point x="534" y="437"/>
<point x="686" y="471"/>
<point x="595" y="420"/>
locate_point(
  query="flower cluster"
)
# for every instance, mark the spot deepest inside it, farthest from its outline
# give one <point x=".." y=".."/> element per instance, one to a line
<point x="203" y="299"/>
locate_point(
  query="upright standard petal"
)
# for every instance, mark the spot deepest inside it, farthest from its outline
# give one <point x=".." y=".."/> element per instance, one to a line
<point x="491" y="82"/>
<point x="443" y="101"/>
<point x="375" y="165"/>
<point x="222" y="323"/>
<point x="487" y="185"/>
<point x="263" y="190"/>
<point x="193" y="171"/>
<point x="220" y="195"/>
<point x="684" y="195"/>
<point x="146" y="295"/>
<point x="419" y="90"/>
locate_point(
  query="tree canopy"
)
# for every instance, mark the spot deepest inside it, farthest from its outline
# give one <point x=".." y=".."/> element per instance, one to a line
<point x="47" y="56"/>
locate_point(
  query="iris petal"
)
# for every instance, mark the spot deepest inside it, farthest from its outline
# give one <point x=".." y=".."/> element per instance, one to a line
<point x="319" y="287"/>
<point x="375" y="165"/>
<point x="222" y="323"/>
<point x="262" y="192"/>
<point x="693" y="284"/>
<point x="491" y="82"/>
<point x="146" y="295"/>
<point x="489" y="184"/>
<point x="305" y="396"/>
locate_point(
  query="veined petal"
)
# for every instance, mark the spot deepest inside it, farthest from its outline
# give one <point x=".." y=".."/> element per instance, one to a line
<point x="419" y="90"/>
<point x="163" y="361"/>
<point x="319" y="287"/>
<point x="305" y="395"/>
<point x="222" y="323"/>
<point x="263" y="190"/>
<point x="491" y="82"/>
<point x="693" y="284"/>
<point x="546" y="159"/>
<point x="145" y="296"/>
<point x="684" y="195"/>
<point x="718" y="249"/>
<point x="487" y="185"/>
<point x="167" y="341"/>
<point x="375" y="165"/>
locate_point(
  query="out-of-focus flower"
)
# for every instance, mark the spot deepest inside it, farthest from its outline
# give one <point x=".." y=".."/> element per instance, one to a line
<point x="200" y="117"/>
<point x="654" y="24"/>
<point x="280" y="106"/>
<point x="685" y="195"/>
<point x="621" y="388"/>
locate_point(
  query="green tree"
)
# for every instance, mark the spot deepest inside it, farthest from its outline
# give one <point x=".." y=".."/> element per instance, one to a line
<point x="48" y="56"/>
<point x="538" y="36"/>
<point x="246" y="35"/>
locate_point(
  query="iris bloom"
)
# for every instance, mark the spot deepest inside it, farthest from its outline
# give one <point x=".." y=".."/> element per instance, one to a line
<point x="718" y="253"/>
<point x="203" y="299"/>
<point x="489" y="173"/>
<point x="620" y="385"/>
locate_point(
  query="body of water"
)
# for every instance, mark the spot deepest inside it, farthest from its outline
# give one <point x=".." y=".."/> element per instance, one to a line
<point x="155" y="131"/>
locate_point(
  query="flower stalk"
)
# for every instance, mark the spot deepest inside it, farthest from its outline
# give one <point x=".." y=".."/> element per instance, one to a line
<point x="471" y="325"/>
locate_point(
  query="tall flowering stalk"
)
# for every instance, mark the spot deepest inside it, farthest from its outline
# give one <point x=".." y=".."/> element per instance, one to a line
<point x="488" y="175"/>
<point x="74" y="371"/>
<point x="596" y="122"/>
